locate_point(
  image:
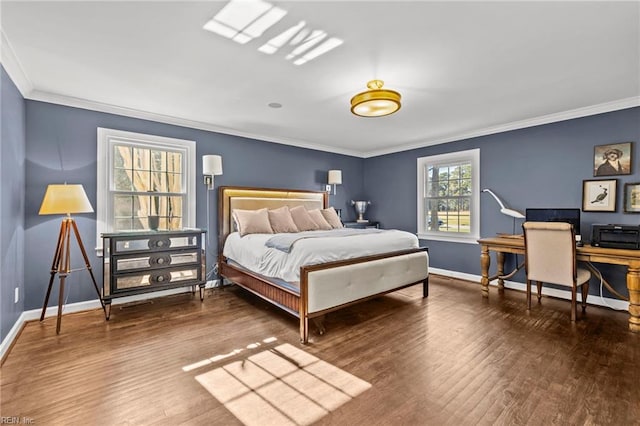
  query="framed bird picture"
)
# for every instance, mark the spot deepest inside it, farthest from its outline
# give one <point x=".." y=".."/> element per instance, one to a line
<point x="599" y="195"/>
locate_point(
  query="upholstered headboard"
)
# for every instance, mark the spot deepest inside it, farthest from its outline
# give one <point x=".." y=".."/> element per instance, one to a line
<point x="230" y="198"/>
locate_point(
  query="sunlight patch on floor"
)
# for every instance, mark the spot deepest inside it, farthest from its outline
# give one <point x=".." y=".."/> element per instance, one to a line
<point x="281" y="386"/>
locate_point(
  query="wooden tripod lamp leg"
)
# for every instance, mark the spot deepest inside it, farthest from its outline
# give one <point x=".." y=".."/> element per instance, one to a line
<point x="86" y="262"/>
<point x="65" y="261"/>
<point x="55" y="265"/>
<point x="62" y="266"/>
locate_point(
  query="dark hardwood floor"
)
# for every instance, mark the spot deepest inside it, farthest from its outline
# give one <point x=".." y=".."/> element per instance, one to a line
<point x="453" y="358"/>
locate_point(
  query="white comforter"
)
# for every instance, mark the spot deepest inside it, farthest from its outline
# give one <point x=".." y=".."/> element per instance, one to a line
<point x="250" y="251"/>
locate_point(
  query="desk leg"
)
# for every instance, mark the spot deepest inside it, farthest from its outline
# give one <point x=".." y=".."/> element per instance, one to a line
<point x="633" y="284"/>
<point x="485" y="261"/>
<point x="500" y="258"/>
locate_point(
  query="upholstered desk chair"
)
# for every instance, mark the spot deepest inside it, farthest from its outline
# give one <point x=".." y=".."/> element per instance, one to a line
<point x="550" y="257"/>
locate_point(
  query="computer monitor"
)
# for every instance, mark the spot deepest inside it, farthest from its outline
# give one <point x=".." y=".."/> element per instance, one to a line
<point x="571" y="216"/>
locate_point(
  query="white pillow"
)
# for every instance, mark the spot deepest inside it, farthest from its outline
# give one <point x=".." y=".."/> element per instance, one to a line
<point x="252" y="221"/>
<point x="302" y="219"/>
<point x="332" y="217"/>
<point x="319" y="219"/>
<point x="281" y="220"/>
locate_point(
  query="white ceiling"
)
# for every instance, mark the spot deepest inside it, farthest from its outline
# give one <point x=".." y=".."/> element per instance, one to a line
<point x="463" y="68"/>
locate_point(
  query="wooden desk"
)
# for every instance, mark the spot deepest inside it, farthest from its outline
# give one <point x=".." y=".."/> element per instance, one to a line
<point x="628" y="258"/>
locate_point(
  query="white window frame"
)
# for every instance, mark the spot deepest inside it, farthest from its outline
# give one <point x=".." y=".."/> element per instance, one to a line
<point x="473" y="156"/>
<point x="107" y="138"/>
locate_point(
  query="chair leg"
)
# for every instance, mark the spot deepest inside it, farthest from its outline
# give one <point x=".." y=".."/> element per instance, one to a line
<point x="528" y="295"/>
<point x="539" y="286"/>
<point x="585" y="294"/>
<point x="574" y="307"/>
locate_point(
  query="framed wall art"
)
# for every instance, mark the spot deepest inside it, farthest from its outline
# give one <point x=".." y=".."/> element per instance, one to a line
<point x="599" y="195"/>
<point x="613" y="159"/>
<point x="632" y="197"/>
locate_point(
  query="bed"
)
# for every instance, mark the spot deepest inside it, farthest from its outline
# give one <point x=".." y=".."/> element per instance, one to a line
<point x="321" y="287"/>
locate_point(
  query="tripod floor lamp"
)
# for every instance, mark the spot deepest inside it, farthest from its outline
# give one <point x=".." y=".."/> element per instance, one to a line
<point x="65" y="199"/>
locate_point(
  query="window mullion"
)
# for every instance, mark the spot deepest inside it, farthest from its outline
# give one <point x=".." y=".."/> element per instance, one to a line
<point x="447" y="194"/>
<point x="130" y="167"/>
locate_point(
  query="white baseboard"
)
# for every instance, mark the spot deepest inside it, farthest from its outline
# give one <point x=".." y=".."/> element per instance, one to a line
<point x="12" y="335"/>
<point x="617" y="304"/>
<point x="95" y="304"/>
<point x="51" y="311"/>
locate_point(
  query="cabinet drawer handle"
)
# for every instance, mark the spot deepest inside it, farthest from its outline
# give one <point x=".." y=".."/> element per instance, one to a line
<point x="159" y="243"/>
<point x="159" y="259"/>
<point x="161" y="278"/>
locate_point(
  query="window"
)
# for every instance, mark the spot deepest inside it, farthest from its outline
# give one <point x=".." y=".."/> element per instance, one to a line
<point x="448" y="196"/>
<point x="141" y="176"/>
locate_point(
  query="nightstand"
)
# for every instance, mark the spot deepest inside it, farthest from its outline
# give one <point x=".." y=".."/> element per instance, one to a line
<point x="361" y="225"/>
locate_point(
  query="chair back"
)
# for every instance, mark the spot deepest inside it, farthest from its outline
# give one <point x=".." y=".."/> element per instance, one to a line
<point x="550" y="252"/>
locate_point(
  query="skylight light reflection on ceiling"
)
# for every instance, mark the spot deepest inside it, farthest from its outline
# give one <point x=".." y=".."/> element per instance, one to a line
<point x="315" y="38"/>
<point x="308" y="38"/>
<point x="273" y="45"/>
<point x="242" y="20"/>
<point x="328" y="45"/>
<point x="246" y="20"/>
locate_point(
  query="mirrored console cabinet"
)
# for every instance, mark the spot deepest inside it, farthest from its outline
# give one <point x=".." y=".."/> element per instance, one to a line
<point x="140" y="262"/>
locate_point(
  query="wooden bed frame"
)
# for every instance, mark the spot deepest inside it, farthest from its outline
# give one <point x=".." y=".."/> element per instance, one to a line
<point x="352" y="280"/>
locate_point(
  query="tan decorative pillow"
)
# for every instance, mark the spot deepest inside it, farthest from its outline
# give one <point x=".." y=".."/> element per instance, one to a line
<point x="317" y="217"/>
<point x="332" y="217"/>
<point x="302" y="219"/>
<point x="281" y="220"/>
<point x="252" y="221"/>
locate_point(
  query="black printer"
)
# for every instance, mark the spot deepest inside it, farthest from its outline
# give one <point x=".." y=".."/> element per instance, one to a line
<point x="616" y="236"/>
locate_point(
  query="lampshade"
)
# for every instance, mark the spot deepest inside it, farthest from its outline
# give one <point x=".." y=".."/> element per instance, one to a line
<point x="375" y="102"/>
<point x="211" y="165"/>
<point x="65" y="199"/>
<point x="335" y="177"/>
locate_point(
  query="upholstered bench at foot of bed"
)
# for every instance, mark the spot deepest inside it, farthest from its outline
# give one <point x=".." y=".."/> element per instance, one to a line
<point x="329" y="287"/>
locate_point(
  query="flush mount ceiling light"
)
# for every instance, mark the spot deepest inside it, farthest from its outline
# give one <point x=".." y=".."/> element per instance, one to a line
<point x="375" y="102"/>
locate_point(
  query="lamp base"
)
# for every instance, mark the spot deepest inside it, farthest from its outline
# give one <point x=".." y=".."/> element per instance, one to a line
<point x="62" y="266"/>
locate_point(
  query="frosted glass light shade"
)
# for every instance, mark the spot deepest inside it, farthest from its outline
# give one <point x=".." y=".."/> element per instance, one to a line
<point x="211" y="165"/>
<point x="335" y="177"/>
<point x="65" y="199"/>
<point x="375" y="102"/>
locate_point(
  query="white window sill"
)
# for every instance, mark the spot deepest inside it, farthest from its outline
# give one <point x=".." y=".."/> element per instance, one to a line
<point x="450" y="238"/>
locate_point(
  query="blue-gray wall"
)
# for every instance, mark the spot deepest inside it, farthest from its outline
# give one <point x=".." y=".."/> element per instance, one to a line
<point x="541" y="166"/>
<point x="61" y="147"/>
<point x="45" y="143"/>
<point x="12" y="174"/>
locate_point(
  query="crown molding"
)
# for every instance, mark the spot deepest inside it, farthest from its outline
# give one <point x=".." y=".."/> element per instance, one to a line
<point x="516" y="125"/>
<point x="17" y="74"/>
<point x="13" y="67"/>
<point x="38" y="95"/>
